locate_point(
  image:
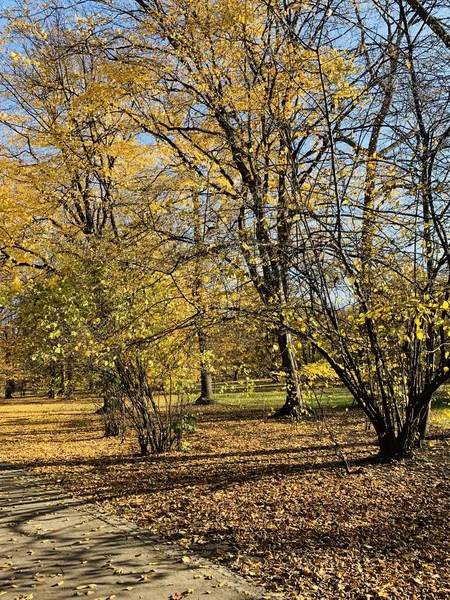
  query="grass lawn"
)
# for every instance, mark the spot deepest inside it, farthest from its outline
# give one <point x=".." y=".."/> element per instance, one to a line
<point x="269" y="499"/>
<point x="273" y="399"/>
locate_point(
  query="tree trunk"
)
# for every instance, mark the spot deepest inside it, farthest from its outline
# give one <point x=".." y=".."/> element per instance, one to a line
<point x="62" y="381"/>
<point x="424" y="423"/>
<point x="206" y="381"/>
<point x="111" y="412"/>
<point x="112" y="409"/>
<point x="396" y="445"/>
<point x="206" y="384"/>
<point x="52" y="389"/>
<point x="143" y="445"/>
<point x="207" y="392"/>
<point x="106" y="405"/>
<point x="9" y="389"/>
<point x="111" y="428"/>
<point x="294" y="404"/>
<point x="68" y="391"/>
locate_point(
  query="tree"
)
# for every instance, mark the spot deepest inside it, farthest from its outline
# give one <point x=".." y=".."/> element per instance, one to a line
<point x="373" y="287"/>
<point x="127" y="327"/>
<point x="226" y="93"/>
<point x="68" y="149"/>
<point x="67" y="136"/>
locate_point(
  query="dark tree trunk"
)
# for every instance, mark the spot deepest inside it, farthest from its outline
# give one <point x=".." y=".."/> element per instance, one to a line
<point x="396" y="445"/>
<point x="143" y="445"/>
<point x="395" y="448"/>
<point x="53" y="382"/>
<point x="112" y="428"/>
<point x="111" y="412"/>
<point x="62" y="381"/>
<point x="294" y="404"/>
<point x="206" y="381"/>
<point x="9" y="389"/>
<point x="424" y="423"/>
<point x="106" y="405"/>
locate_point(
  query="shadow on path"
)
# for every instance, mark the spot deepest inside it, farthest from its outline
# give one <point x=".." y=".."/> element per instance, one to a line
<point x="54" y="548"/>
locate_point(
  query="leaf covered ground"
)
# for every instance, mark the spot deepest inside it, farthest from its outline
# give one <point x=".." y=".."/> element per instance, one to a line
<point x="269" y="499"/>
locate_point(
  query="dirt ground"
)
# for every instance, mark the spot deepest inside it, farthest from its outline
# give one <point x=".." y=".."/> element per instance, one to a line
<point x="269" y="499"/>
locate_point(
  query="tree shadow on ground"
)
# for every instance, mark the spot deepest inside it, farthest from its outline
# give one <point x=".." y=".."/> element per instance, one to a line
<point x="47" y="533"/>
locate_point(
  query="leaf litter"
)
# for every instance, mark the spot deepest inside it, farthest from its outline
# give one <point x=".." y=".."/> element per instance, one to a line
<point x="269" y="500"/>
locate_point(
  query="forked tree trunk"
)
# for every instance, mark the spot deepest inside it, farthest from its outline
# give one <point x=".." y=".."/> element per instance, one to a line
<point x="294" y="404"/>
<point x="397" y="446"/>
<point x="399" y="443"/>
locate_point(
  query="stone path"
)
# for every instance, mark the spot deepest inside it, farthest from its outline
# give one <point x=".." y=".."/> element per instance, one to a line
<point x="53" y="548"/>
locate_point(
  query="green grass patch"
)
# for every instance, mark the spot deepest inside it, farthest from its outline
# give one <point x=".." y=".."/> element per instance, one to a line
<point x="260" y="395"/>
<point x="259" y="399"/>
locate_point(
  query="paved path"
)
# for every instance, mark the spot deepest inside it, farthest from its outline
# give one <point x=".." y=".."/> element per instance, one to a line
<point x="53" y="548"/>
